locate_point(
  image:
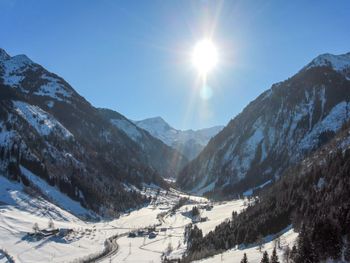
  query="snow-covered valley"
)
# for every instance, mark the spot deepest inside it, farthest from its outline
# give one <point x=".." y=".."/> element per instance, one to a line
<point x="78" y="240"/>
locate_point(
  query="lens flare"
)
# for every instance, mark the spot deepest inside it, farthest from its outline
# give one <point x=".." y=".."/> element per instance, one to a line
<point x="206" y="92"/>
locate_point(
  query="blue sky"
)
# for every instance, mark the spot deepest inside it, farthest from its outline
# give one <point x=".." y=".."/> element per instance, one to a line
<point x="134" y="56"/>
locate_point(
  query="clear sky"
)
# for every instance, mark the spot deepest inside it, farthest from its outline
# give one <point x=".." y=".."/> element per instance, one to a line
<point x="133" y="56"/>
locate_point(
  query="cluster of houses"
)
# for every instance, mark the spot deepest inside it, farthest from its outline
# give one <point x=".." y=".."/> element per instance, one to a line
<point x="207" y="207"/>
<point x="41" y="233"/>
<point x="199" y="219"/>
<point x="150" y="232"/>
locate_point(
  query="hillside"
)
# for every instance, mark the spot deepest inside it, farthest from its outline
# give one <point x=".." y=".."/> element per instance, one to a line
<point x="50" y="130"/>
<point x="311" y="197"/>
<point x="275" y="131"/>
<point x="163" y="158"/>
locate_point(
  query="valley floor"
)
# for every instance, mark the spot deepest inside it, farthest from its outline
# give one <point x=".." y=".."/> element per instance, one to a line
<point x="19" y="211"/>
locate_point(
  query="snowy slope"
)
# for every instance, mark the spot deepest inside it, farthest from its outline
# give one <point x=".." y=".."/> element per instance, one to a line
<point x="127" y="127"/>
<point x="56" y="196"/>
<point x="15" y="74"/>
<point x="188" y="142"/>
<point x="40" y="120"/>
<point x="20" y="209"/>
<point x="340" y="63"/>
<point x="288" y="238"/>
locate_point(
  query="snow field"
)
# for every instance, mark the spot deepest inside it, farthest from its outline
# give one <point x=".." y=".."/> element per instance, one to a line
<point x="253" y="253"/>
<point x="20" y="210"/>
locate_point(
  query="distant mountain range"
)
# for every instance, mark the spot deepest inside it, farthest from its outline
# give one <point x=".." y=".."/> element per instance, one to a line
<point x="188" y="142"/>
<point x="166" y="160"/>
<point x="278" y="129"/>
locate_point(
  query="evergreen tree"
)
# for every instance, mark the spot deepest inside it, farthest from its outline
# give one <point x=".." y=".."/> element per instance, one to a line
<point x="244" y="259"/>
<point x="265" y="258"/>
<point x="274" y="257"/>
<point x="347" y="249"/>
<point x="306" y="249"/>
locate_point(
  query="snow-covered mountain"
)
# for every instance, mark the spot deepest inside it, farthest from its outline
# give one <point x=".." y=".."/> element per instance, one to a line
<point x="166" y="160"/>
<point x="49" y="130"/>
<point x="276" y="130"/>
<point x="188" y="142"/>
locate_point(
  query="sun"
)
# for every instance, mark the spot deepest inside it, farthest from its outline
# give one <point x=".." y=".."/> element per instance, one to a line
<point x="204" y="56"/>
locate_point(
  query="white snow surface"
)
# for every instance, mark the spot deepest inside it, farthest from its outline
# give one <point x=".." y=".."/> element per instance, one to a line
<point x="39" y="119"/>
<point x="170" y="136"/>
<point x="249" y="192"/>
<point x="14" y="69"/>
<point x="55" y="195"/>
<point x="288" y="238"/>
<point x="332" y="122"/>
<point x="129" y="128"/>
<point x="20" y="210"/>
<point x="177" y="139"/>
<point x="53" y="89"/>
<point x="337" y="62"/>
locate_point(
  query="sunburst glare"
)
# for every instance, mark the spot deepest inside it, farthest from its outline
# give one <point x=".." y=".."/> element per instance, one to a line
<point x="204" y="56"/>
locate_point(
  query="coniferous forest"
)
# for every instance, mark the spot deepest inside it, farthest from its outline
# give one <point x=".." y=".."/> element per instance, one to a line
<point x="317" y="204"/>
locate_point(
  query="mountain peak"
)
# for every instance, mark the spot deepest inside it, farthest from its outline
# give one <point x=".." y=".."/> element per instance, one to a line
<point x="19" y="60"/>
<point x="337" y="62"/>
<point x="155" y="119"/>
<point x="22" y="60"/>
<point x="4" y="55"/>
<point x="157" y="122"/>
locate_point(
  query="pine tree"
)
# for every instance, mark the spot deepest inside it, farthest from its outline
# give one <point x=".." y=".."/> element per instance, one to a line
<point x="304" y="247"/>
<point x="265" y="258"/>
<point x="274" y="257"/>
<point x="244" y="259"/>
<point x="347" y="249"/>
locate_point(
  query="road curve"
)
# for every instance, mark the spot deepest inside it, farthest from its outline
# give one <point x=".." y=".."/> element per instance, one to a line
<point x="110" y="248"/>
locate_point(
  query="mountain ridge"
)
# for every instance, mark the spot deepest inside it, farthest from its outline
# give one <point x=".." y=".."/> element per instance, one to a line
<point x="166" y="160"/>
<point x="188" y="142"/>
<point x="275" y="130"/>
<point x="50" y="130"/>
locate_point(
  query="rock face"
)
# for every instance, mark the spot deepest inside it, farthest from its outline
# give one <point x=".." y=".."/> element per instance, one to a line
<point x="166" y="160"/>
<point x="188" y="142"/>
<point x="278" y="129"/>
<point x="46" y="127"/>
